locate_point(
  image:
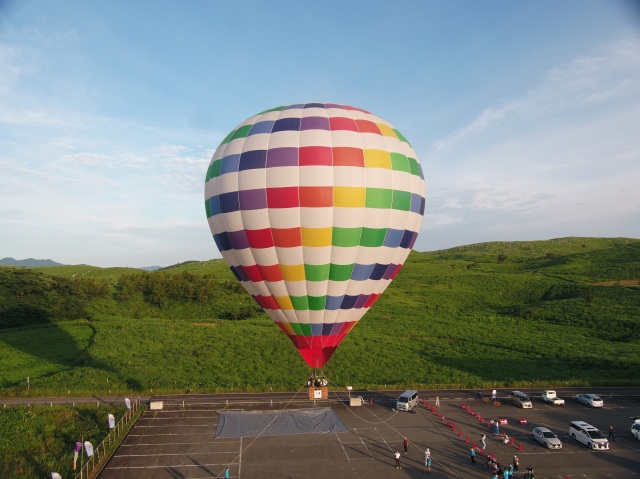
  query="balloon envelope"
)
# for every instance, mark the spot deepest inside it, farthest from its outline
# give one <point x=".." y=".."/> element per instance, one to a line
<point x="315" y="207"/>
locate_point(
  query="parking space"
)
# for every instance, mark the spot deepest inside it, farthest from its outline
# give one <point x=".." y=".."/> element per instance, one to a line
<point x="181" y="443"/>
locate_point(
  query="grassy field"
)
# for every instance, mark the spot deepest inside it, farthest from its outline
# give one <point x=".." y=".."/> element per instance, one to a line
<point x="545" y="313"/>
<point x="552" y="312"/>
<point x="38" y="440"/>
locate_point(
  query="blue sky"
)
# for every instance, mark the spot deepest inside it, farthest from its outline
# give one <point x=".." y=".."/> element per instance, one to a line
<point x="525" y="115"/>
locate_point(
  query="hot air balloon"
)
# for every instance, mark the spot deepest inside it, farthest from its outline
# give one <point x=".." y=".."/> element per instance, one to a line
<point x="315" y="207"/>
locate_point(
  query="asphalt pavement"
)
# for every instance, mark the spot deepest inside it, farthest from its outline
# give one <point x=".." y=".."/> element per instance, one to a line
<point x="179" y="440"/>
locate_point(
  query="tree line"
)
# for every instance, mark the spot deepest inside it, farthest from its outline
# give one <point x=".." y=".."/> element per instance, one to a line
<point x="29" y="297"/>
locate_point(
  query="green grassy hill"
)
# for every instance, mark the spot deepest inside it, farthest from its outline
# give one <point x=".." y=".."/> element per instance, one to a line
<point x="564" y="311"/>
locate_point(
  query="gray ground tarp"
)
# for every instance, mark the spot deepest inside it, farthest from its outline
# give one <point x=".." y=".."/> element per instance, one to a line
<point x="278" y="423"/>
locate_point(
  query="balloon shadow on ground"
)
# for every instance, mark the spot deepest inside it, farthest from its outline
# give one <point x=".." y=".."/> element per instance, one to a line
<point x="61" y="349"/>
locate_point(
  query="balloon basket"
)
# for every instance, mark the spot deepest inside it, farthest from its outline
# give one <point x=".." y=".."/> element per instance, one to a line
<point x="318" y="393"/>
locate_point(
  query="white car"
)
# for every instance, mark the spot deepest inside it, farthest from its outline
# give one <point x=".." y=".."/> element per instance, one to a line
<point x="547" y="438"/>
<point x="635" y="427"/>
<point x="590" y="400"/>
<point x="588" y="435"/>
<point x="549" y="396"/>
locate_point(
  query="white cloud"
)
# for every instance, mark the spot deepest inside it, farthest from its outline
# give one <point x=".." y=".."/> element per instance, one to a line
<point x="561" y="160"/>
<point x="610" y="73"/>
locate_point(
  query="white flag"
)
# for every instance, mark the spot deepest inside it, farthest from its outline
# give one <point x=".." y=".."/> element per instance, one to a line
<point x="127" y="402"/>
<point x="112" y="421"/>
<point x="89" y="448"/>
<point x="55" y="475"/>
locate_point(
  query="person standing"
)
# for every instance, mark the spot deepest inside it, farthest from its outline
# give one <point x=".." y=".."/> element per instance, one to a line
<point x="427" y="460"/>
<point x="494" y="395"/>
<point x="483" y="441"/>
<point x="473" y="456"/>
<point x="405" y="444"/>
<point x="516" y="463"/>
<point x="611" y="434"/>
<point x="396" y="455"/>
<point x="226" y="472"/>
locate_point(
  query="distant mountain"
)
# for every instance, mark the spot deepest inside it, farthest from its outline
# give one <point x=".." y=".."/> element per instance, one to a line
<point x="150" y="268"/>
<point x="28" y="263"/>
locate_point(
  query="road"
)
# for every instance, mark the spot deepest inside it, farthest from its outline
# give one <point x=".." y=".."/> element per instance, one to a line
<point x="222" y="399"/>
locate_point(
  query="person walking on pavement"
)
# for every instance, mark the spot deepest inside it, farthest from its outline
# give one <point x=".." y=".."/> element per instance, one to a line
<point x="473" y="456"/>
<point x="427" y="460"/>
<point x="483" y="441"/>
<point x="405" y="444"/>
<point x="396" y="455"/>
<point x="494" y="395"/>
<point x="516" y="463"/>
<point x="611" y="434"/>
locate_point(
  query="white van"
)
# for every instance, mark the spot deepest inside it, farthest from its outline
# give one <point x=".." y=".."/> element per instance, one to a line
<point x="588" y="435"/>
<point x="407" y="400"/>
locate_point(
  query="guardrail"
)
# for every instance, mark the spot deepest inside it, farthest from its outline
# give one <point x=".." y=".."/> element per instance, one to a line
<point x="103" y="451"/>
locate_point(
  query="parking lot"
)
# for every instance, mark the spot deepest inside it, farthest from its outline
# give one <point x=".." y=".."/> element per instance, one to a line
<point x="180" y="442"/>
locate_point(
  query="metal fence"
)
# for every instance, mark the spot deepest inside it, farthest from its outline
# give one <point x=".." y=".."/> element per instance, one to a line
<point x="102" y="452"/>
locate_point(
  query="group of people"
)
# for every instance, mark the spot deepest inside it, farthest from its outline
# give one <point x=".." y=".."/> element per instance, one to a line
<point x="494" y="394"/>
<point x="506" y="472"/>
<point x="317" y="381"/>
<point x="405" y="447"/>
<point x="497" y="470"/>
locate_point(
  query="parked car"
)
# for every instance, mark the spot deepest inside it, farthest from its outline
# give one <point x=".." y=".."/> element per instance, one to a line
<point x="547" y="438"/>
<point x="588" y="435"/>
<point x="590" y="400"/>
<point x="549" y="396"/>
<point x="635" y="427"/>
<point x="521" y="399"/>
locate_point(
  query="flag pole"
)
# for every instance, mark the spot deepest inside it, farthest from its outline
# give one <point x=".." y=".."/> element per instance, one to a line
<point x="81" y="455"/>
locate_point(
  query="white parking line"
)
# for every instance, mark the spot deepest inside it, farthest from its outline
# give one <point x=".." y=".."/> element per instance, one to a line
<point x="344" y="449"/>
<point x="166" y="466"/>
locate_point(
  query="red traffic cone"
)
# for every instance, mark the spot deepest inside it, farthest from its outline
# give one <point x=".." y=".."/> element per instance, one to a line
<point x="466" y="439"/>
<point x="520" y="447"/>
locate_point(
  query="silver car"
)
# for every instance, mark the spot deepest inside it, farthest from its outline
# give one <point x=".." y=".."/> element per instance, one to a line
<point x="590" y="400"/>
<point x="547" y="438"/>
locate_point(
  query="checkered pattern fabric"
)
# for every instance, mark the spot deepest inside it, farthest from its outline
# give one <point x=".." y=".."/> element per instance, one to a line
<point x="315" y="207"/>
